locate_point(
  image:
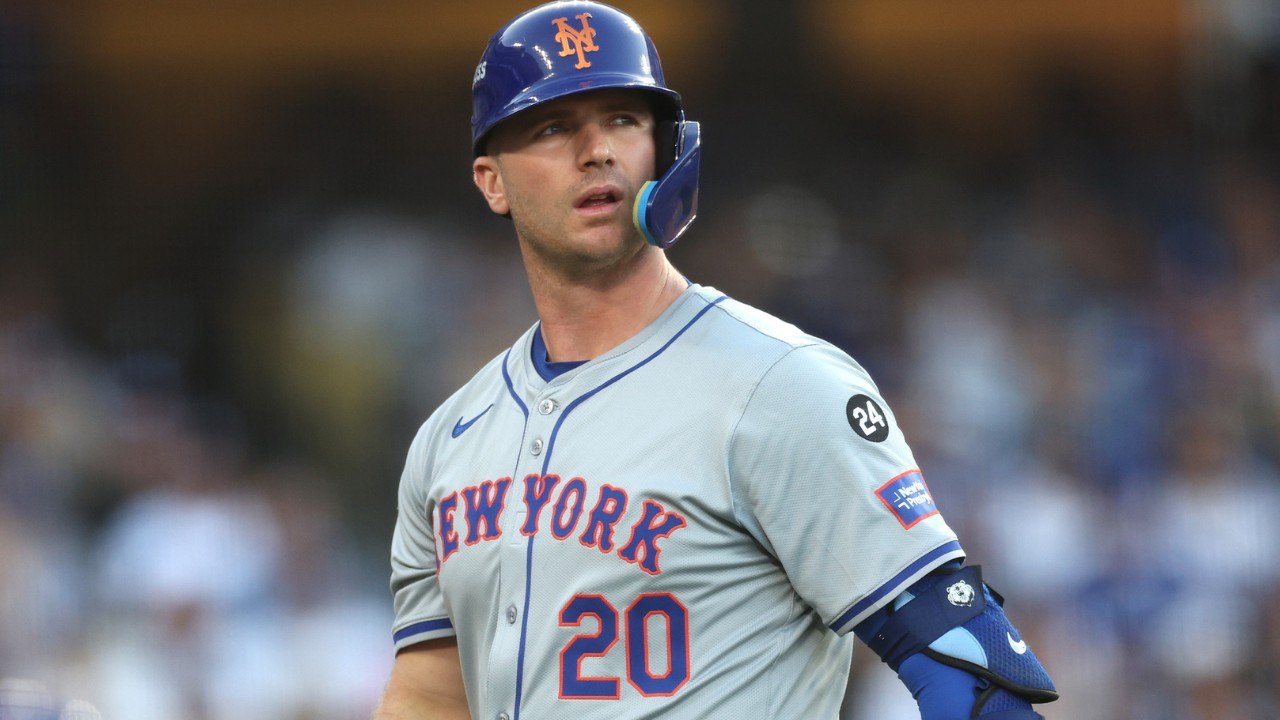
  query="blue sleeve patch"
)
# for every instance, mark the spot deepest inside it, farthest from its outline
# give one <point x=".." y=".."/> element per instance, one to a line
<point x="908" y="498"/>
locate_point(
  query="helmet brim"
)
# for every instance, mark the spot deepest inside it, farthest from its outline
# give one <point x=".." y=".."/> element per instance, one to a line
<point x="666" y="102"/>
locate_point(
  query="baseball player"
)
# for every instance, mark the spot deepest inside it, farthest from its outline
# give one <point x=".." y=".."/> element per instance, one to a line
<point x="660" y="502"/>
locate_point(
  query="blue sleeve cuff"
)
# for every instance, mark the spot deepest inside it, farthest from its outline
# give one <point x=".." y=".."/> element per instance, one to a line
<point x="941" y="556"/>
<point x="426" y="629"/>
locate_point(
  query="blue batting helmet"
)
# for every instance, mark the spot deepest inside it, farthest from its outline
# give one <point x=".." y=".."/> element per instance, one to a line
<point x="564" y="48"/>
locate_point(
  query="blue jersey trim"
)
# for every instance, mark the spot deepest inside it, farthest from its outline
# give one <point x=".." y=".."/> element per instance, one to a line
<point x="528" y="561"/>
<point x="547" y="369"/>
<point x="546" y="463"/>
<point x="524" y="615"/>
<point x="586" y="396"/>
<point x="507" y="377"/>
<point x="422" y="627"/>
<point x="879" y="593"/>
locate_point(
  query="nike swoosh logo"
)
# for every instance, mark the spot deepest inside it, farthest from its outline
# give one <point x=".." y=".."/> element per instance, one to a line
<point x="1019" y="646"/>
<point x="461" y="427"/>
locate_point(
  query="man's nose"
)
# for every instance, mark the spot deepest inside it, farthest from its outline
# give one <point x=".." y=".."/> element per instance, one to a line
<point x="596" y="149"/>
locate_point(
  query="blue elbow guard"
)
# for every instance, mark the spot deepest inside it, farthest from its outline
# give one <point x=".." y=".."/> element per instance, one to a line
<point x="959" y="621"/>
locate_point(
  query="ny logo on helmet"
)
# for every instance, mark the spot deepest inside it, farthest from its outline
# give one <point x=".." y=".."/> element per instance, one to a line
<point x="583" y="39"/>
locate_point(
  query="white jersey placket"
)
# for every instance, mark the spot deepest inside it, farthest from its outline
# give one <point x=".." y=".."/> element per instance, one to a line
<point x="500" y="691"/>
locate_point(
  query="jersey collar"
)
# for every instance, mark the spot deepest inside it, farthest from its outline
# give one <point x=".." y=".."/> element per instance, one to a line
<point x="529" y="383"/>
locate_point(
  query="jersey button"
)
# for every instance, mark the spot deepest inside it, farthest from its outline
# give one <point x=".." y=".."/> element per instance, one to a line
<point x="503" y="716"/>
<point x="536" y="446"/>
<point x="511" y="615"/>
<point x="546" y="407"/>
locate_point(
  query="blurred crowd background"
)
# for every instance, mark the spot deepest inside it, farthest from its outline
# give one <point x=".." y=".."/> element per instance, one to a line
<point x="241" y="261"/>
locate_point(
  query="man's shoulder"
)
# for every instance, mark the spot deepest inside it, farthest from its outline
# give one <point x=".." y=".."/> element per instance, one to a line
<point x="757" y="329"/>
<point x="489" y="379"/>
<point x="487" y="385"/>
<point x="789" y="352"/>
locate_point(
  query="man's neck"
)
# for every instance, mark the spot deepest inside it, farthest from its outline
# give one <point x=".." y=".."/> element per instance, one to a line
<point x="585" y="318"/>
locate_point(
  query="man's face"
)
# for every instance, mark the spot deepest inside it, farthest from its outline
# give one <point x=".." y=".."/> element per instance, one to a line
<point x="568" y="173"/>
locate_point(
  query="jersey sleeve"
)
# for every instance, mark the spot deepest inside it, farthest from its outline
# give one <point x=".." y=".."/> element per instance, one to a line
<point x="823" y="478"/>
<point x="420" y="612"/>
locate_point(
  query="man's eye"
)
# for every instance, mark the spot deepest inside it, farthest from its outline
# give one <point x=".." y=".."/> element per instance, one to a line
<point x="626" y="120"/>
<point x="551" y="129"/>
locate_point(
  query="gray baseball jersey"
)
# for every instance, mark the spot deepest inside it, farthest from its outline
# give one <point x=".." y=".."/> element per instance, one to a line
<point x="685" y="527"/>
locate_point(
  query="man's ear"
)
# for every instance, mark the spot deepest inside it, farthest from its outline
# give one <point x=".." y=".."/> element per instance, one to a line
<point x="487" y="177"/>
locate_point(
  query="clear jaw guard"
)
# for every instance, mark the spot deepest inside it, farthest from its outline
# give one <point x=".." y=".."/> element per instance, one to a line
<point x="666" y="207"/>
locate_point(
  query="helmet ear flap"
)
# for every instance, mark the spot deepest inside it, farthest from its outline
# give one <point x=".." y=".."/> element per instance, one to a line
<point x="666" y="145"/>
<point x="665" y="207"/>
